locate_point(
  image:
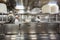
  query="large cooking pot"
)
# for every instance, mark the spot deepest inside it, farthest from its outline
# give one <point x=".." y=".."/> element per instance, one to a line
<point x="2" y="29"/>
<point x="41" y="27"/>
<point x="47" y="28"/>
<point x="10" y="37"/>
<point x="29" y="27"/>
<point x="52" y="27"/>
<point x="25" y="27"/>
<point x="12" y="28"/>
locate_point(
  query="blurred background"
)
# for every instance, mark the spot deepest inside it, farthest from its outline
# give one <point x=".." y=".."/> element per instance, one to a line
<point x="29" y="19"/>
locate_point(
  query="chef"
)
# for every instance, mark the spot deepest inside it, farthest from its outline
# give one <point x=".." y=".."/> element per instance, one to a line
<point x="16" y="19"/>
<point x="11" y="17"/>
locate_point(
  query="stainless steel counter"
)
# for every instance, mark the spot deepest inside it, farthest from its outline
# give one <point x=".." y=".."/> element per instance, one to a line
<point x="11" y="28"/>
<point x="31" y="31"/>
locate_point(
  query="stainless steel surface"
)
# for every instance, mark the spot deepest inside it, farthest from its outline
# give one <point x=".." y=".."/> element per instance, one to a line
<point x="53" y="28"/>
<point x="47" y="28"/>
<point x="43" y="37"/>
<point x="48" y="36"/>
<point x="3" y="18"/>
<point x="44" y="18"/>
<point x="2" y="29"/>
<point x="59" y="29"/>
<point x="33" y="37"/>
<point x="10" y="37"/>
<point x="12" y="29"/>
<point x="7" y="37"/>
<point x="25" y="27"/>
<point x="2" y="37"/>
<point x="26" y="36"/>
<point x="32" y="31"/>
<point x="32" y="28"/>
<point x="29" y="27"/>
<point x="41" y="28"/>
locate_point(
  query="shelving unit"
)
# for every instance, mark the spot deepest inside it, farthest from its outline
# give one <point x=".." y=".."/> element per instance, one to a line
<point x="51" y="18"/>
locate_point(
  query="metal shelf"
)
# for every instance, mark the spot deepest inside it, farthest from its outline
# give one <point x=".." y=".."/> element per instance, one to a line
<point x="40" y="22"/>
<point x="37" y="13"/>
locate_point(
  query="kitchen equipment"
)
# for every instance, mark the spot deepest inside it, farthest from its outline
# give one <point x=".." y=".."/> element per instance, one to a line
<point x="28" y="27"/>
<point x="32" y="28"/>
<point x="25" y="27"/>
<point x="4" y="18"/>
<point x="43" y="37"/>
<point x="41" y="28"/>
<point x="20" y="36"/>
<point x="2" y="29"/>
<point x="10" y="37"/>
<point x="35" y="11"/>
<point x="33" y="37"/>
<point x="52" y="18"/>
<point x="26" y="36"/>
<point x="54" y="36"/>
<point x="3" y="10"/>
<point x="52" y="27"/>
<point x="2" y="37"/>
<point x="12" y="28"/>
<point x="44" y="18"/>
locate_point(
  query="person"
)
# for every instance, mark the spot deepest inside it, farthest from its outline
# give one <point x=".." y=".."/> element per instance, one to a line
<point x="11" y="17"/>
<point x="33" y="19"/>
<point x="38" y="19"/>
<point x="17" y="19"/>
